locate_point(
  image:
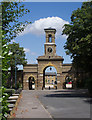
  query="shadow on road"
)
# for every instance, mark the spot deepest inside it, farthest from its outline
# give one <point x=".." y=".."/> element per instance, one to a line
<point x="67" y="95"/>
<point x="71" y="94"/>
<point x="73" y="90"/>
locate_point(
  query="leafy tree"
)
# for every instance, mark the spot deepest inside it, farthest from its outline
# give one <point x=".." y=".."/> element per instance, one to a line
<point x="11" y="27"/>
<point x="5" y="58"/>
<point x="17" y="57"/>
<point x="79" y="40"/>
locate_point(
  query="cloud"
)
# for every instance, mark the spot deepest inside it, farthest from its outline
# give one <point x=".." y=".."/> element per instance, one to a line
<point x="26" y="50"/>
<point x="33" y="53"/>
<point x="37" y="28"/>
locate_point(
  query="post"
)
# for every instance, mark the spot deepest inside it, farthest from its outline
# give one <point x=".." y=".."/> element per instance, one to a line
<point x="15" y="73"/>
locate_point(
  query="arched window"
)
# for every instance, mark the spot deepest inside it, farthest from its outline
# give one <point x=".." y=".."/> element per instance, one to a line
<point x="52" y="81"/>
<point x="50" y="38"/>
<point x="48" y="81"/>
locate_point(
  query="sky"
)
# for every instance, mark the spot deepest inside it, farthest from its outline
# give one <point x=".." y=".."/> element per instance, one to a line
<point x="45" y="15"/>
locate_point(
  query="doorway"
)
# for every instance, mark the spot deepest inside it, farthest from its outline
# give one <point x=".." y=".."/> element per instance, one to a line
<point x="31" y="83"/>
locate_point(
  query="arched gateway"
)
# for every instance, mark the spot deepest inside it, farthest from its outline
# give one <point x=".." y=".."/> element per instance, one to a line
<point x="31" y="83"/>
<point x="50" y="58"/>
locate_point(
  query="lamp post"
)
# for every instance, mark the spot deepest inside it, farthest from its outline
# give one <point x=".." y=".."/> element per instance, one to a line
<point x="15" y="74"/>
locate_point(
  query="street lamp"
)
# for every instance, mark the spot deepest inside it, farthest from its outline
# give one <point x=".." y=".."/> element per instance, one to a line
<point x="15" y="74"/>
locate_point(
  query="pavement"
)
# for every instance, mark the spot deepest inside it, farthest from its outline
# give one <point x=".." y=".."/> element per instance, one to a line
<point x="30" y="106"/>
<point x="54" y="104"/>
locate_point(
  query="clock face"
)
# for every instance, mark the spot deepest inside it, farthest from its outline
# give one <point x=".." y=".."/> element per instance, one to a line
<point x="49" y="49"/>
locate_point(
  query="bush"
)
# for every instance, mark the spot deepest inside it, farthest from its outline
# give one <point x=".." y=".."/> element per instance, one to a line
<point x="19" y="85"/>
<point x="10" y="91"/>
<point x="3" y="101"/>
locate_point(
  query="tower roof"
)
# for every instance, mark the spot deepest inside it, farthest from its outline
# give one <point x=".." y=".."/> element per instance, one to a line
<point x="51" y="29"/>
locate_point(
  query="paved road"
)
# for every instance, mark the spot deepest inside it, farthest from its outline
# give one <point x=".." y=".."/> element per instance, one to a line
<point x="66" y="104"/>
<point x="54" y="103"/>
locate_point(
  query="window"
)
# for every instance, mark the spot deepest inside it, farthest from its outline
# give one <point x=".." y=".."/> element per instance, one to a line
<point x="50" y="38"/>
<point x="48" y="81"/>
<point x="52" y="81"/>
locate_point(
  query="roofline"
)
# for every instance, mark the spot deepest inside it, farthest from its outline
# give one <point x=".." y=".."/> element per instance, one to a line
<point x="50" y="73"/>
<point x="17" y="70"/>
<point x="50" y="29"/>
<point x="50" y="59"/>
<point x="31" y="65"/>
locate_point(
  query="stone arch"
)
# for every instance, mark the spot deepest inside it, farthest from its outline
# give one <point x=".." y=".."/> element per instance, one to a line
<point x="44" y="68"/>
<point x="31" y="76"/>
<point x="49" y="64"/>
<point x="68" y="80"/>
<point x="31" y="82"/>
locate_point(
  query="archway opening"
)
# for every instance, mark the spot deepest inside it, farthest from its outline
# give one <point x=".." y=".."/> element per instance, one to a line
<point x="68" y="82"/>
<point x="50" y="38"/>
<point x="50" y="78"/>
<point x="31" y="83"/>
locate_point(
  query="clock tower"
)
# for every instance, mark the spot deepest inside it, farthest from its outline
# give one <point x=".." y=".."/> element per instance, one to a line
<point x="50" y="58"/>
<point x="50" y="46"/>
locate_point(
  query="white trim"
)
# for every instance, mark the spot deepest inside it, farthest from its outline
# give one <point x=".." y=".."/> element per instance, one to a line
<point x="49" y="43"/>
<point x="41" y="74"/>
<point x="58" y="74"/>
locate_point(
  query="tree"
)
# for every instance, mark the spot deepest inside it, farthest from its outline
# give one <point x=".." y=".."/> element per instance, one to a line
<point x="17" y="57"/>
<point x="79" y="37"/>
<point x="11" y="27"/>
<point x="5" y="58"/>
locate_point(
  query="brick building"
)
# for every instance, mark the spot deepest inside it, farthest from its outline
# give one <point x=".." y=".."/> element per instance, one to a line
<point x="34" y="76"/>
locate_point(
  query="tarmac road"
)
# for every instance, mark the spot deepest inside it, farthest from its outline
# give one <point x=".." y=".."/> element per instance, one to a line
<point x="52" y="104"/>
<point x="66" y="103"/>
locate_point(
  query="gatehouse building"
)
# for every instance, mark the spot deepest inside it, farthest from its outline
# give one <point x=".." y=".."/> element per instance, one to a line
<point x="34" y="75"/>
